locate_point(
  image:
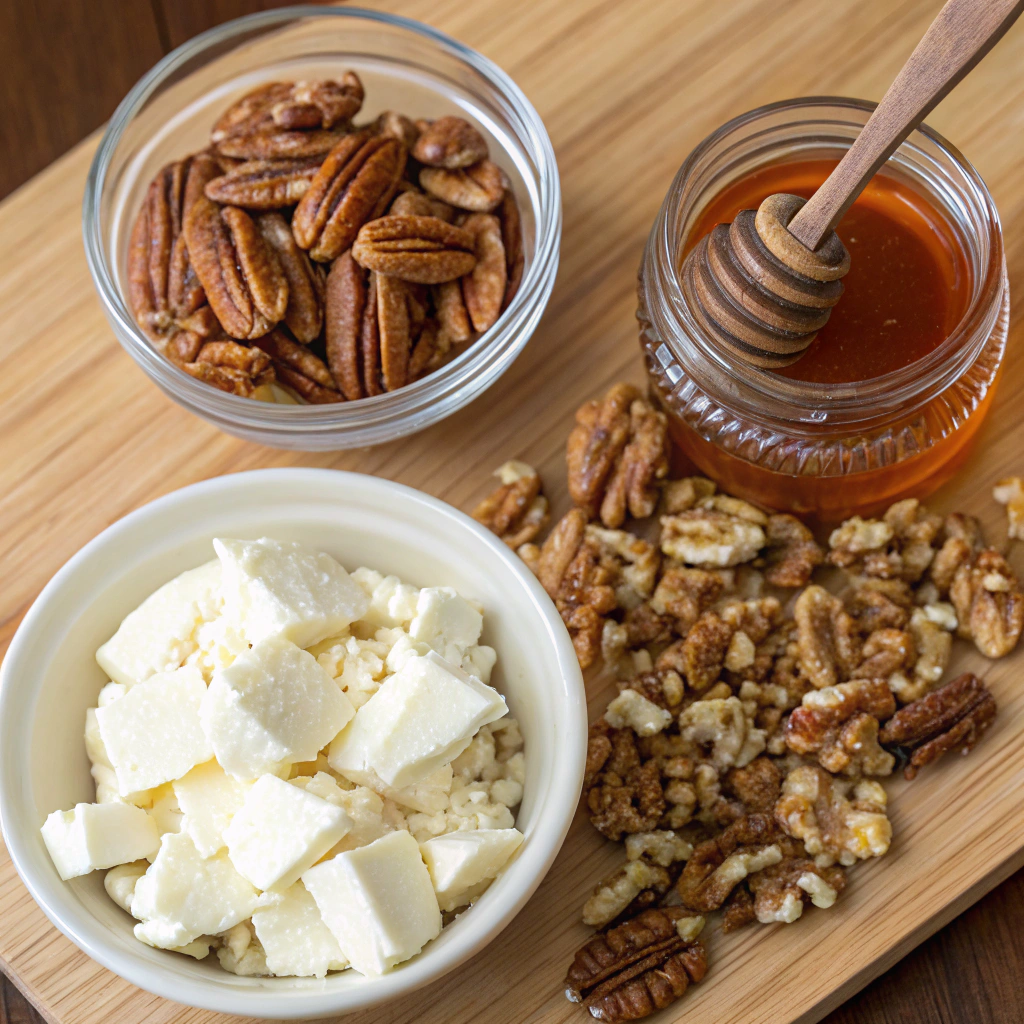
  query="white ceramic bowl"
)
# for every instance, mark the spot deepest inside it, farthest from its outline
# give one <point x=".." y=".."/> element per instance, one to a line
<point x="50" y="677"/>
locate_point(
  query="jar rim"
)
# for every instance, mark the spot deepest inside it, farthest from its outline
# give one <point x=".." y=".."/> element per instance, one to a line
<point x="374" y="419"/>
<point x="857" y="400"/>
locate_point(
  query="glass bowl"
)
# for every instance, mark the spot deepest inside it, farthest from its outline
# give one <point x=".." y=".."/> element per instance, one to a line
<point x="404" y="65"/>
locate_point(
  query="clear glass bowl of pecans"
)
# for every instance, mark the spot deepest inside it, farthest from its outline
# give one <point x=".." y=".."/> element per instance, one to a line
<point x="323" y="228"/>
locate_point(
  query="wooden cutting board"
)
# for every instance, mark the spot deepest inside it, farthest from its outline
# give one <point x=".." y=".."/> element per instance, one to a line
<point x="626" y="88"/>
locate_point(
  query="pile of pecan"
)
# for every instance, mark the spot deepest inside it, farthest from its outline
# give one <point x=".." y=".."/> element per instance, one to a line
<point x="303" y="257"/>
<point x="757" y="711"/>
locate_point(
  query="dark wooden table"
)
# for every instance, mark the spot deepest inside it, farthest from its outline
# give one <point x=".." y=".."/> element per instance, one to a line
<point x="64" y="65"/>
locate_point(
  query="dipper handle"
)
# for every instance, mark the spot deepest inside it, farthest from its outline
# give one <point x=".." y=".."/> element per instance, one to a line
<point x="963" y="32"/>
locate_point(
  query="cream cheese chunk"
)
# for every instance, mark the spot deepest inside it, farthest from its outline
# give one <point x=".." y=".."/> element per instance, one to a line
<point x="444" y="620"/>
<point x="294" y="937"/>
<point x="378" y="901"/>
<point x="94" y="836"/>
<point x="280" y="830"/>
<point x="420" y="719"/>
<point x="209" y="798"/>
<point x="459" y="861"/>
<point x="159" y="635"/>
<point x="279" y="589"/>
<point x="152" y="734"/>
<point x="184" y="895"/>
<point x="270" y="708"/>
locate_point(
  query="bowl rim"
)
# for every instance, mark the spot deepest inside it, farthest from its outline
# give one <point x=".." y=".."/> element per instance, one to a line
<point x="560" y="800"/>
<point x="373" y="419"/>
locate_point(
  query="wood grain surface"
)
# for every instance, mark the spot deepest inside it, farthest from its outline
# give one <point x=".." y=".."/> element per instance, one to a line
<point x="626" y="88"/>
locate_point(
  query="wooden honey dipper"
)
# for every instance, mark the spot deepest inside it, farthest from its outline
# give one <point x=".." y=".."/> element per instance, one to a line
<point x="766" y="284"/>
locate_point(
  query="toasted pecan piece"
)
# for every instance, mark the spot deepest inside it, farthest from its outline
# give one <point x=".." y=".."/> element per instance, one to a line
<point x="483" y="288"/>
<point x="304" y="314"/>
<point x="264" y="184"/>
<point x="422" y="250"/>
<point x="478" y="188"/>
<point x="450" y="142"/>
<point x="301" y="370"/>
<point x="354" y="184"/>
<point x="240" y="273"/>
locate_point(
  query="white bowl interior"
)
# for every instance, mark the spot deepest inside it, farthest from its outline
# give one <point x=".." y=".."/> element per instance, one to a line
<point x="50" y="677"/>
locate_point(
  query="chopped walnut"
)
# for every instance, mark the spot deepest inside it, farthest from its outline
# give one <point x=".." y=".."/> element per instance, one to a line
<point x="1010" y="492"/>
<point x="634" y="561"/>
<point x="950" y="718"/>
<point x="684" y="593"/>
<point x="710" y="538"/>
<point x="617" y="456"/>
<point x="682" y="495"/>
<point x="756" y="785"/>
<point x="662" y="847"/>
<point x="624" y="794"/>
<point x="782" y="890"/>
<point x="827" y="642"/>
<point x="631" y="710"/>
<point x="839" y="725"/>
<point x="723" y="730"/>
<point x="516" y="511"/>
<point x="930" y="627"/>
<point x="898" y="546"/>
<point x="880" y="604"/>
<point x="792" y="554"/>
<point x="735" y="507"/>
<point x="634" y="881"/>
<point x="702" y="653"/>
<point x="717" y="866"/>
<point x="816" y="808"/>
<point x="662" y="687"/>
<point x="989" y="603"/>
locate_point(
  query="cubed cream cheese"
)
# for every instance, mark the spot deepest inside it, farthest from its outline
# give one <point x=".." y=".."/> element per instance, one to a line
<point x="94" y="836"/>
<point x="209" y="798"/>
<point x="378" y="902"/>
<point x="418" y="720"/>
<point x="280" y="589"/>
<point x="152" y="734"/>
<point x="270" y="708"/>
<point x="444" y="620"/>
<point x="184" y="895"/>
<point x="459" y="861"/>
<point x="280" y="830"/>
<point x="295" y="940"/>
<point x="159" y="635"/>
<point x="120" y="882"/>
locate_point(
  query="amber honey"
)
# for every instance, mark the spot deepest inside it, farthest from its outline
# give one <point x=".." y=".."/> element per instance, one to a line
<point x="896" y="385"/>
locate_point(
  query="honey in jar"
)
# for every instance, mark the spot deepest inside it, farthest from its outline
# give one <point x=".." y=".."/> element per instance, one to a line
<point x="894" y="387"/>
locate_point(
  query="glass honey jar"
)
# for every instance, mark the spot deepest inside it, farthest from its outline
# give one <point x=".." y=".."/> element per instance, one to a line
<point x="888" y="397"/>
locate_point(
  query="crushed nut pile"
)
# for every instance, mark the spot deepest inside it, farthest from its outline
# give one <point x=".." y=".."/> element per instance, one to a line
<point x="302" y="257"/>
<point x="757" y="711"/>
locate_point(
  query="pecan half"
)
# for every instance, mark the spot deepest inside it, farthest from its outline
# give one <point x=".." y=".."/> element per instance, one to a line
<point x="272" y="143"/>
<point x="354" y="184"/>
<point x="478" y="188"/>
<point x="989" y="603"/>
<point x="369" y="329"/>
<point x="264" y="184"/>
<point x="417" y="204"/>
<point x="484" y="286"/>
<point x="452" y="315"/>
<point x="250" y="112"/>
<point x="231" y="367"/>
<point x="304" y="314"/>
<point x="319" y="104"/>
<point x="512" y="239"/>
<point x="403" y="128"/>
<point x="302" y="370"/>
<point x="423" y="250"/>
<point x="450" y="142"/>
<point x="617" y="456"/>
<point x="240" y="273"/>
<point x="162" y="285"/>
<point x="639" y="967"/>
<point x="952" y="717"/>
<point x="517" y="510"/>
